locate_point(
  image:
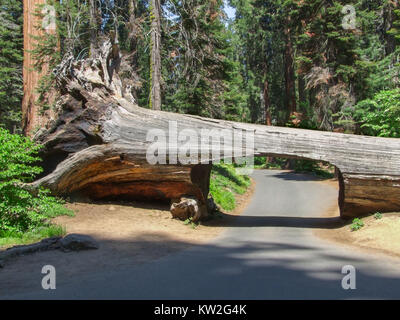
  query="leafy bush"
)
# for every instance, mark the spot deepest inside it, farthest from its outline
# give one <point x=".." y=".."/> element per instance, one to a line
<point x="357" y="224"/>
<point x="260" y="161"/>
<point x="20" y="210"/>
<point x="380" y="116"/>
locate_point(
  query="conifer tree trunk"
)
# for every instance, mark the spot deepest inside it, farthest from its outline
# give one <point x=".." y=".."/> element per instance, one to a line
<point x="31" y="77"/>
<point x="155" y="63"/>
<point x="302" y="89"/>
<point x="289" y="72"/>
<point x="267" y="103"/>
<point x="389" y="17"/>
<point x="93" y="27"/>
<point x="133" y="29"/>
<point x="30" y="110"/>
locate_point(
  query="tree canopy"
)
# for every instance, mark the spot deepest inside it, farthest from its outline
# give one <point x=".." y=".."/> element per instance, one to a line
<point x="313" y="63"/>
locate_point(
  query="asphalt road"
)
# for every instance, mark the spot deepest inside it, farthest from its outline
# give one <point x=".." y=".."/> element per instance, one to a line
<point x="267" y="253"/>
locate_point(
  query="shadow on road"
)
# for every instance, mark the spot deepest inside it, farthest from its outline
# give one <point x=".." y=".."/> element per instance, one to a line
<point x="276" y="221"/>
<point x="294" y="176"/>
<point x="239" y="270"/>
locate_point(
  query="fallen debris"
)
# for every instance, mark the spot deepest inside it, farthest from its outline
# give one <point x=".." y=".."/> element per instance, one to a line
<point x="77" y="242"/>
<point x="188" y="207"/>
<point x="71" y="242"/>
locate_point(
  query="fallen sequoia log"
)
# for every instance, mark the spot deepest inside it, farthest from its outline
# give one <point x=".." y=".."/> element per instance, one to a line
<point x="98" y="146"/>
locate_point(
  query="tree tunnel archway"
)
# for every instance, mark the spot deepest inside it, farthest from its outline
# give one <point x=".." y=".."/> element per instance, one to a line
<point x="104" y="135"/>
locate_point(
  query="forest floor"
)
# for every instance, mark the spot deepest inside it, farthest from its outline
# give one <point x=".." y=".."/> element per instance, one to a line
<point x="377" y="235"/>
<point x="127" y="233"/>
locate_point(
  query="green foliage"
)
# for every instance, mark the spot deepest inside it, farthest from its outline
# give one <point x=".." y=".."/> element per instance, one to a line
<point x="200" y="73"/>
<point x="190" y="222"/>
<point x="227" y="69"/>
<point x="320" y="169"/>
<point x="379" y="116"/>
<point x="13" y="237"/>
<point x="395" y="30"/>
<point x="225" y="183"/>
<point x="11" y="56"/>
<point x="378" y="216"/>
<point x="311" y="166"/>
<point x="20" y="209"/>
<point x="357" y="224"/>
<point x="258" y="43"/>
<point x="260" y="162"/>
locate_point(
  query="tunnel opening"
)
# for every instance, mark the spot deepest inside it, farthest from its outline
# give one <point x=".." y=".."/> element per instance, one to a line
<point x="316" y="170"/>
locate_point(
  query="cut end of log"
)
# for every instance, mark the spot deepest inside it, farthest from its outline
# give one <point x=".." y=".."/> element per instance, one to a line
<point x="366" y="194"/>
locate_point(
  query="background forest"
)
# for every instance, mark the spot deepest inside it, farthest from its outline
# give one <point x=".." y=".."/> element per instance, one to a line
<point x="279" y="62"/>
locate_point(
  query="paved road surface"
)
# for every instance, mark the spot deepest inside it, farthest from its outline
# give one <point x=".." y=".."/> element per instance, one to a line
<point x="267" y="253"/>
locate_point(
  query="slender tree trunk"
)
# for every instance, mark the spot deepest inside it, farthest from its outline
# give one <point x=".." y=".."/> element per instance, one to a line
<point x="267" y="103"/>
<point x="389" y="16"/>
<point x="302" y="90"/>
<point x="132" y="28"/>
<point x="288" y="59"/>
<point x="155" y="63"/>
<point x="93" y="27"/>
<point x="31" y="119"/>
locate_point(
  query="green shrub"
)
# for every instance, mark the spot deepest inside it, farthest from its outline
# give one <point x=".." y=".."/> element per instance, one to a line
<point x="20" y="210"/>
<point x="380" y="116"/>
<point x="357" y="224"/>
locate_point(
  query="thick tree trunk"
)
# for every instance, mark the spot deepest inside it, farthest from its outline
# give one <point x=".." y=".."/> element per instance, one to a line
<point x="99" y="145"/>
<point x="31" y="117"/>
<point x="155" y="63"/>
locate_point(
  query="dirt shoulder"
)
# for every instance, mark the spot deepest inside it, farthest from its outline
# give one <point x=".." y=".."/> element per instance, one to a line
<point x="377" y="236"/>
<point x="128" y="234"/>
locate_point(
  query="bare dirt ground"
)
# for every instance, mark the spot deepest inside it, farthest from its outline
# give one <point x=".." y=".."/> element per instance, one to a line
<point x="379" y="236"/>
<point x="127" y="233"/>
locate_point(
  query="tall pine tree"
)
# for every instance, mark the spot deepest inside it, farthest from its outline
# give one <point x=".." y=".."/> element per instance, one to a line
<point x="11" y="55"/>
